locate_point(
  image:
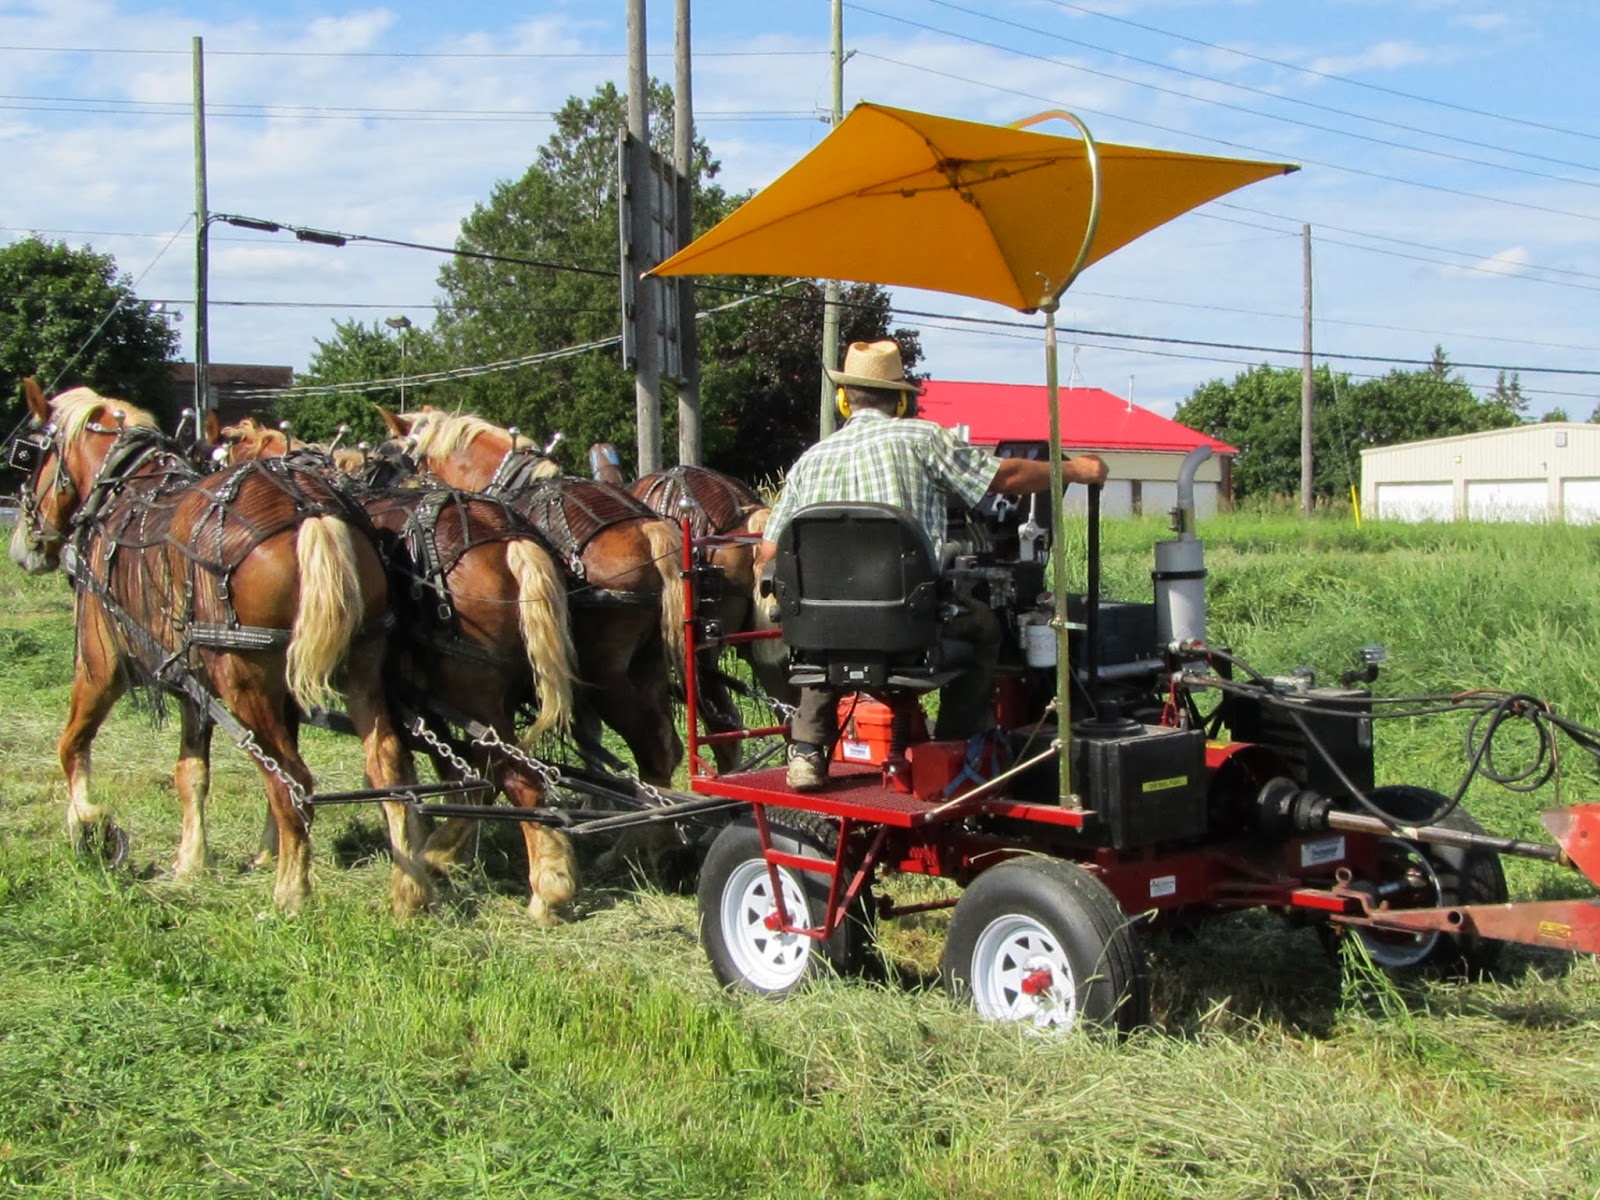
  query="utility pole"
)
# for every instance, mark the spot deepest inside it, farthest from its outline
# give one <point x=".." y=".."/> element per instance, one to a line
<point x="647" y="370"/>
<point x="202" y="224"/>
<point x="1305" y="378"/>
<point x="683" y="163"/>
<point x="830" y="293"/>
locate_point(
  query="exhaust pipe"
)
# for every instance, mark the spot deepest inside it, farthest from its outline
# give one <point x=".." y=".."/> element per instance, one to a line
<point x="1180" y="571"/>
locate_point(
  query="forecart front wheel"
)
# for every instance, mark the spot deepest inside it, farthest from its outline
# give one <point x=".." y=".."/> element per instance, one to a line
<point x="1042" y="941"/>
<point x="1419" y="875"/>
<point x="739" y="911"/>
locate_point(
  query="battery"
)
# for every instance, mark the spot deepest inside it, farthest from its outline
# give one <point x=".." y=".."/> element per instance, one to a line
<point x="1147" y="783"/>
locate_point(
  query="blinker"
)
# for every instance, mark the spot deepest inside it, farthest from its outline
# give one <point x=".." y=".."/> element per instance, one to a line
<point x="27" y="453"/>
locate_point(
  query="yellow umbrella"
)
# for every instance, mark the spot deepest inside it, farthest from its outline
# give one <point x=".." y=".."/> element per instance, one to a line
<point x="994" y="212"/>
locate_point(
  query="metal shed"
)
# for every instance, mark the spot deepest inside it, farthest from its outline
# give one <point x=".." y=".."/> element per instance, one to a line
<point x="1546" y="472"/>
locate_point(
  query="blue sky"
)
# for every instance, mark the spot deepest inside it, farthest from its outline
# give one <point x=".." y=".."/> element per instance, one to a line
<point x="1451" y="153"/>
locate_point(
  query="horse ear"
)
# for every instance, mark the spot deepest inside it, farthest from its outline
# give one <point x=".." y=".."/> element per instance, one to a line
<point x="213" y="427"/>
<point x="398" y="425"/>
<point x="34" y="394"/>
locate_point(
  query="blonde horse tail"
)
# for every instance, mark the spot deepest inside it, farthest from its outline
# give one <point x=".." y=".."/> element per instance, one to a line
<point x="666" y="547"/>
<point x="330" y="609"/>
<point x="763" y="608"/>
<point x="546" y="633"/>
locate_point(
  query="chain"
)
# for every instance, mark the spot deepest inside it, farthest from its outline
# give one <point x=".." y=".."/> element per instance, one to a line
<point x="439" y="746"/>
<point x="651" y="793"/>
<point x="785" y="711"/>
<point x="297" y="794"/>
<point x="548" y="775"/>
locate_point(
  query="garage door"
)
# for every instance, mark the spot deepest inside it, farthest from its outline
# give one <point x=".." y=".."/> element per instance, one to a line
<point x="1580" y="501"/>
<point x="1416" y="501"/>
<point x="1508" y="500"/>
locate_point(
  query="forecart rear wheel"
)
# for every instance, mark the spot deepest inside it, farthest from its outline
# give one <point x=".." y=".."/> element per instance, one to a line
<point x="1042" y="941"/>
<point x="1418" y="875"/>
<point x="738" y="909"/>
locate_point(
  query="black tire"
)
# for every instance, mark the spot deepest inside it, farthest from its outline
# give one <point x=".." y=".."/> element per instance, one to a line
<point x="1042" y="922"/>
<point x="1447" y="876"/>
<point x="735" y="896"/>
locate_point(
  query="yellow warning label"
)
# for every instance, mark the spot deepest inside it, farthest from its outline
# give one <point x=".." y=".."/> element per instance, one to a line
<point x="1555" y="930"/>
<point x="1163" y="785"/>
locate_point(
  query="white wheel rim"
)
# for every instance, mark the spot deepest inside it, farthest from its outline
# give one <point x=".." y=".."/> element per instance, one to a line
<point x="769" y="960"/>
<point x="1392" y="949"/>
<point x="1020" y="972"/>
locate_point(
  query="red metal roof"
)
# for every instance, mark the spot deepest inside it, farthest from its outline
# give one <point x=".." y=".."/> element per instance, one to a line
<point x="1091" y="419"/>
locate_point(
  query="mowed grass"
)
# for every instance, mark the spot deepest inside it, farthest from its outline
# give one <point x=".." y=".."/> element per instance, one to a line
<point x="164" y="1039"/>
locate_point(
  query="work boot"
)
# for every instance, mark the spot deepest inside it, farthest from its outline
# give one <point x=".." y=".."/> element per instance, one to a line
<point x="808" y="767"/>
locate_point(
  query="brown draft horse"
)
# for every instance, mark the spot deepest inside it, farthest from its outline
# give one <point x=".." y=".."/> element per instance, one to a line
<point x="719" y="505"/>
<point x="627" y="600"/>
<point x="256" y="587"/>
<point x="483" y="630"/>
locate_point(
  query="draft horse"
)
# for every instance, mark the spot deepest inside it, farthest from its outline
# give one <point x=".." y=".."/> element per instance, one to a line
<point x="238" y="594"/>
<point x="625" y="563"/>
<point x="721" y="511"/>
<point x="482" y="633"/>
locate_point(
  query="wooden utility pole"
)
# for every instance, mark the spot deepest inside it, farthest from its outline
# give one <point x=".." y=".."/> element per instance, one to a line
<point x="683" y="163"/>
<point x="830" y="293"/>
<point x="202" y="225"/>
<point x="647" y="370"/>
<point x="1306" y="503"/>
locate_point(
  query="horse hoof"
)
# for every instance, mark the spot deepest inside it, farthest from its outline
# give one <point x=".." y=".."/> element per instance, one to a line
<point x="106" y="841"/>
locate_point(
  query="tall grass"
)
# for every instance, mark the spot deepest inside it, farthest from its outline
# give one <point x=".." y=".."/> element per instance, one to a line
<point x="163" y="1039"/>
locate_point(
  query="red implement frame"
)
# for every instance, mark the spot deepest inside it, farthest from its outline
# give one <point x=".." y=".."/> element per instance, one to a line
<point x="1311" y="873"/>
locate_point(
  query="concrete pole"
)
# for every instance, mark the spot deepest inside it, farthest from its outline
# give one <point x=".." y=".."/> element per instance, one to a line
<point x="202" y="225"/>
<point x="1306" y="501"/>
<point x="830" y="293"/>
<point x="647" y="370"/>
<point x="683" y="162"/>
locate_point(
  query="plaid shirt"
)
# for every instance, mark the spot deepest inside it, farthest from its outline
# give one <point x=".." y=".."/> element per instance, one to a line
<point x="912" y="464"/>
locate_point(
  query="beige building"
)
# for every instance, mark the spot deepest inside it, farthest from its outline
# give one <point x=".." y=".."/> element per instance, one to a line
<point x="1547" y="472"/>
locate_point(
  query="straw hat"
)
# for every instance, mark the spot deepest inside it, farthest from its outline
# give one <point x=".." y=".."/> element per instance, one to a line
<point x="872" y="365"/>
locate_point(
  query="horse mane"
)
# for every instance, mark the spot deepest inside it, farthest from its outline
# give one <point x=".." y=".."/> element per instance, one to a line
<point x="72" y="409"/>
<point x="440" y="434"/>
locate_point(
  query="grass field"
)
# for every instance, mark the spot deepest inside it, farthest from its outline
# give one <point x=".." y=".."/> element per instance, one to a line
<point x="162" y="1039"/>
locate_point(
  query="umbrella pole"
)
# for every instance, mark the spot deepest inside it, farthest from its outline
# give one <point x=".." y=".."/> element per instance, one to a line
<point x="1058" y="564"/>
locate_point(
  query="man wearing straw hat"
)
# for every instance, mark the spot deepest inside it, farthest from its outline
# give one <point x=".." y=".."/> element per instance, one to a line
<point x="885" y="455"/>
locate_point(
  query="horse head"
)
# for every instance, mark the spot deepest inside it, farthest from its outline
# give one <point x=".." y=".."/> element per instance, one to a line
<point x="466" y="451"/>
<point x="605" y="464"/>
<point x="247" y="441"/>
<point x="63" y="452"/>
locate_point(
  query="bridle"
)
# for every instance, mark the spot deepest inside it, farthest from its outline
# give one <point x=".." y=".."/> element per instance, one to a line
<point x="27" y="453"/>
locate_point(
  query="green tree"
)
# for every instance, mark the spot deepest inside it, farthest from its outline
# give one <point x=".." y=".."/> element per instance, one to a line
<point x="1554" y="415"/>
<point x="760" y="372"/>
<point x="1259" y="412"/>
<point x="358" y="353"/>
<point x="69" y="318"/>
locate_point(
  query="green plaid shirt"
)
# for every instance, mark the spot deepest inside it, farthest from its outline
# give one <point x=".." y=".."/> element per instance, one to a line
<point x="912" y="464"/>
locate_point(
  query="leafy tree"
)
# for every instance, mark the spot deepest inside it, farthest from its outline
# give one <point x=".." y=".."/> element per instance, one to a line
<point x="760" y="369"/>
<point x="1508" y="393"/>
<point x="69" y="318"/>
<point x="1554" y="415"/>
<point x="1259" y="412"/>
<point x="358" y="353"/>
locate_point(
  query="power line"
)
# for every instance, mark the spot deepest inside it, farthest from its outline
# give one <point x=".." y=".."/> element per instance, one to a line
<point x="1332" y="166"/>
<point x="1345" y="79"/>
<point x="467" y="55"/>
<point x="1278" y="96"/>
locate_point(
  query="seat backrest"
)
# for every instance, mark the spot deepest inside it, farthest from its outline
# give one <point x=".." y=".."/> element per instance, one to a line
<point x="857" y="577"/>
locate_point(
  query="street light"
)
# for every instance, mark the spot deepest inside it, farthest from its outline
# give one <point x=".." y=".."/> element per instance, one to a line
<point x="400" y="324"/>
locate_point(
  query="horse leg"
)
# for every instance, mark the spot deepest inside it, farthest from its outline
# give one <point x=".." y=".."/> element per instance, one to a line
<point x="552" y="866"/>
<point x="96" y="687"/>
<point x="388" y="764"/>
<point x="193" y="780"/>
<point x="453" y="840"/>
